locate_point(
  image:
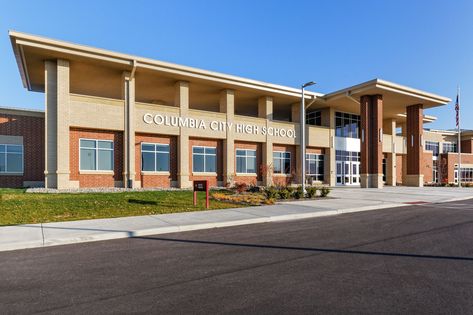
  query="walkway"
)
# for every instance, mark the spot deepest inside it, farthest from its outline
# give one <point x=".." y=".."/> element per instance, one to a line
<point x="344" y="200"/>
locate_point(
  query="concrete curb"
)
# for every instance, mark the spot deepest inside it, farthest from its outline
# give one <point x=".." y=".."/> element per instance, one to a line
<point x="94" y="237"/>
<point x="173" y="228"/>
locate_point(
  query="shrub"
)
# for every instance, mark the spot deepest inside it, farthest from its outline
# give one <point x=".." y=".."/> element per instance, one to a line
<point x="270" y="192"/>
<point x="254" y="189"/>
<point x="324" y="191"/>
<point x="311" y="191"/>
<point x="240" y="187"/>
<point x="284" y="194"/>
<point x="298" y="193"/>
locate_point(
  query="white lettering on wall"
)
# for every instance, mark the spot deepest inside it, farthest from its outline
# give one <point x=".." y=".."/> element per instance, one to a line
<point x="215" y="125"/>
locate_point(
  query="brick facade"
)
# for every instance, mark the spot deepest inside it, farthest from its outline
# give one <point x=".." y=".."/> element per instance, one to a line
<point x="427" y="166"/>
<point x="467" y="146"/>
<point x="156" y="180"/>
<point x="32" y="130"/>
<point x="213" y="179"/>
<point x="96" y="180"/>
<point x="400" y="170"/>
<point x="447" y="163"/>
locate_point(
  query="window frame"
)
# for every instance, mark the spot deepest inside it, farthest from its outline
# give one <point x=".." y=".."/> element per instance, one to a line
<point x="246" y="157"/>
<point x="431" y="145"/>
<point x="349" y="126"/>
<point x="317" y="158"/>
<point x="96" y="170"/>
<point x="204" y="154"/>
<point x="155" y="152"/>
<point x="282" y="159"/>
<point x="449" y="145"/>
<point x="315" y="116"/>
<point x="6" y="153"/>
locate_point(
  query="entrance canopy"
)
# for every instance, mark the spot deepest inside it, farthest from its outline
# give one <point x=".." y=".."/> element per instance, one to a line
<point x="395" y="99"/>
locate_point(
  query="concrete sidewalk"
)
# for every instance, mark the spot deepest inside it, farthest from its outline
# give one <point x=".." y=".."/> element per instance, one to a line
<point x="344" y="200"/>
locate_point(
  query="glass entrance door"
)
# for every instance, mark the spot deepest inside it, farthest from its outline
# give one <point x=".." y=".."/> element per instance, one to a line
<point x="348" y="173"/>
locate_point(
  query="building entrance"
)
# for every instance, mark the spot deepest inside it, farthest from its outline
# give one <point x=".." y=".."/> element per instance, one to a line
<point x="348" y="168"/>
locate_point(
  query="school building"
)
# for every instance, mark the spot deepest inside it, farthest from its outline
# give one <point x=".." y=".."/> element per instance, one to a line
<point x="117" y="120"/>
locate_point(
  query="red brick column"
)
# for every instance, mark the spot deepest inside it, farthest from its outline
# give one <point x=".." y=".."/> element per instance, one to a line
<point x="371" y="111"/>
<point x="414" y="126"/>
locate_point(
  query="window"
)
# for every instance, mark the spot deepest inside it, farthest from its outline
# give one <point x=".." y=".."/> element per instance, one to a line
<point x="432" y="146"/>
<point x="154" y="157"/>
<point x="449" y="147"/>
<point x="282" y="162"/>
<point x="96" y="155"/>
<point x="204" y="159"/>
<point x="347" y="125"/>
<point x="246" y="161"/>
<point x="314" y="118"/>
<point x="347" y="156"/>
<point x="435" y="172"/>
<point x="315" y="166"/>
<point x="11" y="158"/>
<point x="466" y="175"/>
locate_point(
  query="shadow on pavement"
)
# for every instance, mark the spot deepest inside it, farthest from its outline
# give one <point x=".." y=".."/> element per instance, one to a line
<point x="308" y="249"/>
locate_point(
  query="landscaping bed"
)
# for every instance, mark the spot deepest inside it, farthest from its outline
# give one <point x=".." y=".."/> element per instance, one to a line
<point x="18" y="207"/>
<point x="254" y="195"/>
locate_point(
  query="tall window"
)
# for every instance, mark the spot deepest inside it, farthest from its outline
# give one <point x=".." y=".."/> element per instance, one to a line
<point x="315" y="166"/>
<point x="11" y="158"/>
<point x="432" y="146"/>
<point x="96" y="155"/>
<point x="282" y="162"/>
<point x="246" y="161"/>
<point x="204" y="159"/>
<point x="347" y="125"/>
<point x="449" y="147"/>
<point x="314" y="118"/>
<point x="155" y="157"/>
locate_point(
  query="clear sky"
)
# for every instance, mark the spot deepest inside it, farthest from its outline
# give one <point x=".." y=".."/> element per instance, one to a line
<point x="420" y="43"/>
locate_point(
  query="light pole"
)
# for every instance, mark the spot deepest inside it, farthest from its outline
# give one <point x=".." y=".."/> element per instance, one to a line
<point x="302" y="142"/>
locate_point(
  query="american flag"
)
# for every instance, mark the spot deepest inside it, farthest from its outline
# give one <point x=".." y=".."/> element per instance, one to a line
<point x="457" y="109"/>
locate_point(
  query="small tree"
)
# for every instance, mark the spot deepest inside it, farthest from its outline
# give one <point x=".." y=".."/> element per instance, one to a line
<point x="443" y="170"/>
<point x="267" y="172"/>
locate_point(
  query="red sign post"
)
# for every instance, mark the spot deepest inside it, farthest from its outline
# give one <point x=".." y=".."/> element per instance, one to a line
<point x="201" y="185"/>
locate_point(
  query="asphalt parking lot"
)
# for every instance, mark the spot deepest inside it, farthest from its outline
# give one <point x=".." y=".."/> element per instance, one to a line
<point x="416" y="259"/>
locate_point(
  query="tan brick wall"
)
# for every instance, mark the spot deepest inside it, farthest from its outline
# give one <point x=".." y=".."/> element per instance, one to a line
<point x="427" y="166"/>
<point x="32" y="130"/>
<point x="96" y="180"/>
<point x="152" y="181"/>
<point x="281" y="179"/>
<point x="399" y="168"/>
<point x="213" y="180"/>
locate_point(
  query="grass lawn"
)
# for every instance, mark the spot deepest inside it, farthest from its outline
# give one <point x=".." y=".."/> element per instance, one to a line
<point x="18" y="207"/>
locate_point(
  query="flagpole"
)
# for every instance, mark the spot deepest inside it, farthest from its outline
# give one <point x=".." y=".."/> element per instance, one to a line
<point x="459" y="145"/>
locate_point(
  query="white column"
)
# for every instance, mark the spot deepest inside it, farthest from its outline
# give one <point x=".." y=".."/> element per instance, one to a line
<point x="181" y="100"/>
<point x="227" y="105"/>
<point x="57" y="100"/>
<point x="389" y="128"/>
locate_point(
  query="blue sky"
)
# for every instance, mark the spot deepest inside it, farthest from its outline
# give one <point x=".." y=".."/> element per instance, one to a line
<point x="423" y="44"/>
